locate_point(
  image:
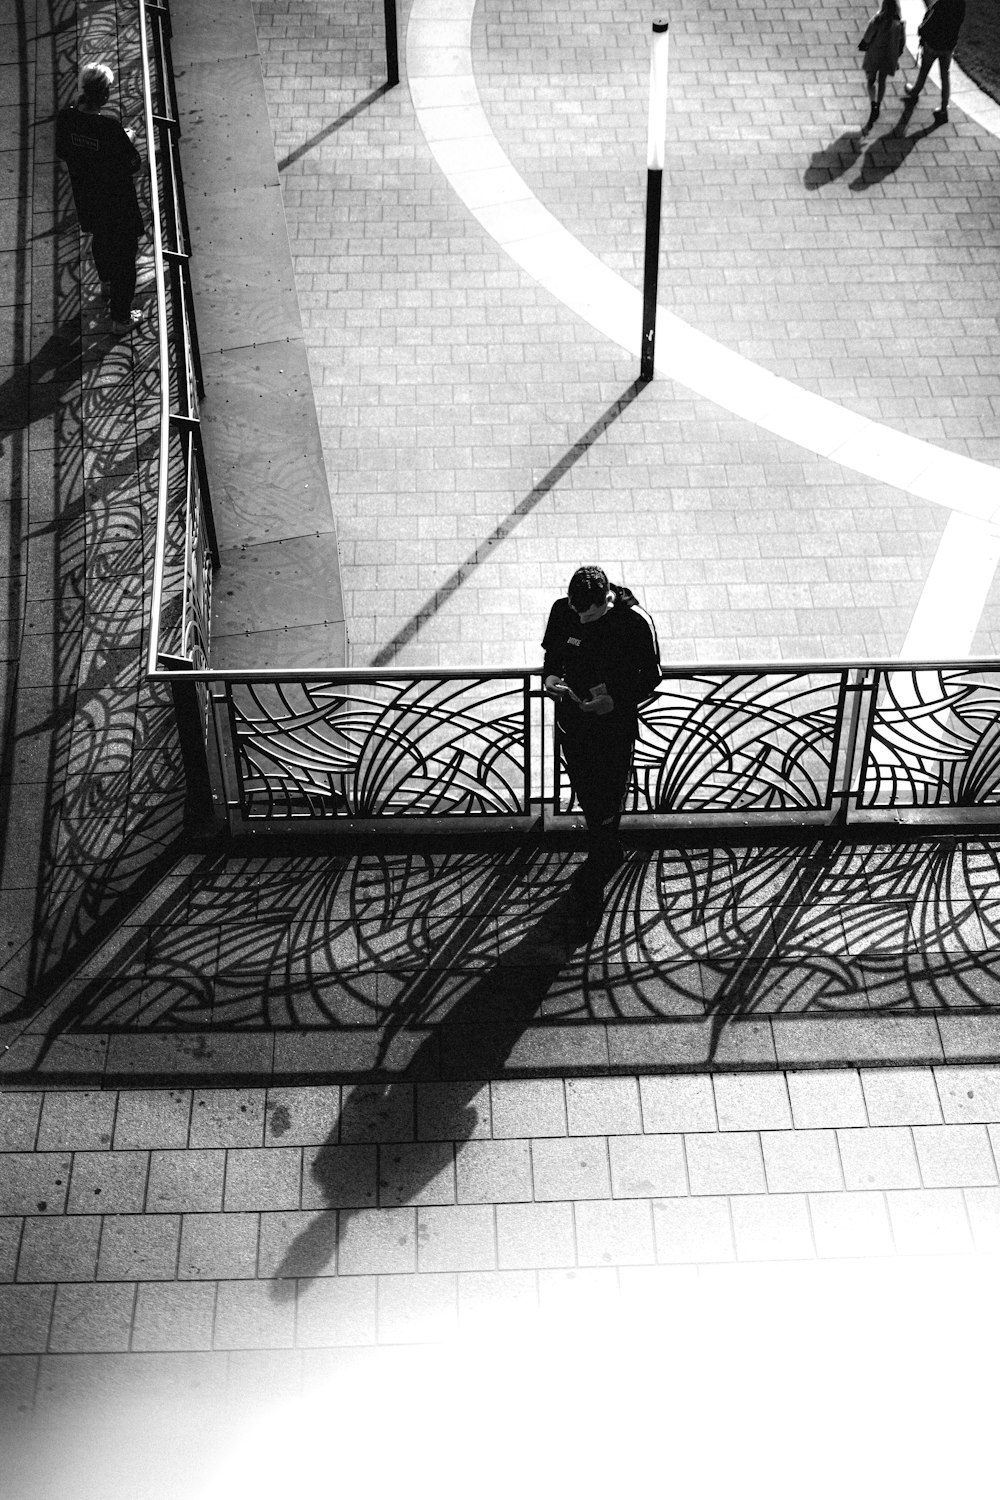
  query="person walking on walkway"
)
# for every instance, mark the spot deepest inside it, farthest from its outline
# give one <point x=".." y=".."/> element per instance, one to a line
<point x="938" y="33"/>
<point x="602" y="660"/>
<point x="103" y="163"/>
<point x="882" y="45"/>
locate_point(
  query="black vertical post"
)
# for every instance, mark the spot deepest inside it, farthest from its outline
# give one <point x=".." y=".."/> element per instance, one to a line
<point x="647" y="353"/>
<point x="656" y="145"/>
<point x="391" y="44"/>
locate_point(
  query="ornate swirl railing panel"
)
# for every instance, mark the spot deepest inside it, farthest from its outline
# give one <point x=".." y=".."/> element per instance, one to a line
<point x="721" y="742"/>
<point x="933" y="739"/>
<point x="387" y="747"/>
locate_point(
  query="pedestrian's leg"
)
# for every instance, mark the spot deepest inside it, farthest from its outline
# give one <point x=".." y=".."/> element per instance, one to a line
<point x="102" y="250"/>
<point x="926" y="59"/>
<point x="944" y="65"/>
<point x="880" y="90"/>
<point x="122" y="277"/>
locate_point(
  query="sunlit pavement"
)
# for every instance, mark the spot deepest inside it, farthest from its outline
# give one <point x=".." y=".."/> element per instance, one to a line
<point x="342" y="1173"/>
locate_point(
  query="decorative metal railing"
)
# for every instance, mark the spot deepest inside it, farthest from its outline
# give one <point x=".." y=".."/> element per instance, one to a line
<point x="746" y="746"/>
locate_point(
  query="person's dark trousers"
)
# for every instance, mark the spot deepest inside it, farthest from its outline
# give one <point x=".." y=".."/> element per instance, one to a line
<point x="115" y="256"/>
<point x="599" y="768"/>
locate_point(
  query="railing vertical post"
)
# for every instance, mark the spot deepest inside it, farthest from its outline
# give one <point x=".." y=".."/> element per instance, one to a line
<point x="201" y="812"/>
<point x="391" y="44"/>
<point x="846" y="792"/>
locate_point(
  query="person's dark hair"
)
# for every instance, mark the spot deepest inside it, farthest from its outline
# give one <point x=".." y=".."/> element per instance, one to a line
<point x="587" y="587"/>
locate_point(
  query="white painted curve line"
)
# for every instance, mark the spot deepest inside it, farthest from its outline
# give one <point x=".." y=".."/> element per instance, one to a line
<point x="447" y="105"/>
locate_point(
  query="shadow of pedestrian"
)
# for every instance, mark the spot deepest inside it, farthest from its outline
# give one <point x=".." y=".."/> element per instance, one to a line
<point x="833" y="161"/>
<point x="887" y="154"/>
<point x="488" y="1020"/>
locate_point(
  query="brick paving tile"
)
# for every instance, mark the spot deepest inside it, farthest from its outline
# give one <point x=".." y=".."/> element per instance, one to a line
<point x="578" y="1298"/>
<point x="10" y="1240"/>
<point x="534" y="1235"/>
<point x="34" y="1184"/>
<point x="218" y="1245"/>
<point x="614" y="1233"/>
<point x="654" y="1295"/>
<point x="336" y="1311"/>
<point x="417" y="1309"/>
<point x="725" y="1163"/>
<point x="422" y="1172"/>
<point x="882" y="1157"/>
<point x="263" y="1177"/>
<point x="493" y="1171"/>
<point x="108" y="1182"/>
<point x="139" y="1247"/>
<point x="983" y="1206"/>
<point x="174" y="1315"/>
<point x="340" y="1176"/>
<point x="154" y="1118"/>
<point x="373" y="1113"/>
<point x="88" y="1319"/>
<point x="851" y="1224"/>
<point x="969" y="1095"/>
<point x="376" y="1241"/>
<point x="453" y="1111"/>
<point x="185" y="1181"/>
<point x="19" y="1115"/>
<point x="647" y="1166"/>
<point x="227" y="1117"/>
<point x="59" y="1249"/>
<point x="258" y="1379"/>
<point x="901" y="1096"/>
<point x="930" y="1223"/>
<point x="573" y="1168"/>
<point x="249" y="1316"/>
<point x="693" y="1229"/>
<point x="801" y="1161"/>
<point x="772" y="1228"/>
<point x="297" y="1243"/>
<point x="954" y="1156"/>
<point x="497" y="1304"/>
<point x="827" y="1099"/>
<point x="994" y="1134"/>
<point x="603" y="1106"/>
<point x="527" y="1107"/>
<point x="457" y="1238"/>
<point x="25" y="1315"/>
<point x="677" y="1104"/>
<point x="76" y="1120"/>
<point x="303" y="1116"/>
<point x="748" y="1101"/>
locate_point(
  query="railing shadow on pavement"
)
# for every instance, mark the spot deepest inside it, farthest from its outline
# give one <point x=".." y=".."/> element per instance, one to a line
<point x="375" y="948"/>
<point x="97" y="740"/>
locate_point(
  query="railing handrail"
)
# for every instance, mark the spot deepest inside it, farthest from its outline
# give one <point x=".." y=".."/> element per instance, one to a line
<point x="156" y="595"/>
<point x="830" y="666"/>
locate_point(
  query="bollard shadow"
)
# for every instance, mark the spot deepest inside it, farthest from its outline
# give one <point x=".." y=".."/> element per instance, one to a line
<point x="535" y="495"/>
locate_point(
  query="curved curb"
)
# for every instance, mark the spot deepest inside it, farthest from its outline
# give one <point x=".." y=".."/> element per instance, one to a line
<point x="448" y="107"/>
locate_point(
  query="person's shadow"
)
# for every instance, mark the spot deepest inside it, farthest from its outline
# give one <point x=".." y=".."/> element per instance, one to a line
<point x="475" y="1039"/>
<point x="888" y="153"/>
<point x="833" y="161"/>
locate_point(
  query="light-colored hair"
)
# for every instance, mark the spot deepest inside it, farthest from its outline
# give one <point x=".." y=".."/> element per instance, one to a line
<point x="95" y="82"/>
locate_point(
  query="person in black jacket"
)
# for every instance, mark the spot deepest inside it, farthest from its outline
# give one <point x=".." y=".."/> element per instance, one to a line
<point x="103" y="162"/>
<point x="602" y="660"/>
<point x="938" y="33"/>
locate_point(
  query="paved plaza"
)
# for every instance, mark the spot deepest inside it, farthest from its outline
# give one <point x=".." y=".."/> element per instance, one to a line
<point x="352" y="1165"/>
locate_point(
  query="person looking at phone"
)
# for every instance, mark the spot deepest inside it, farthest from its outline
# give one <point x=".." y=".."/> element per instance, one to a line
<point x="602" y="660"/>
